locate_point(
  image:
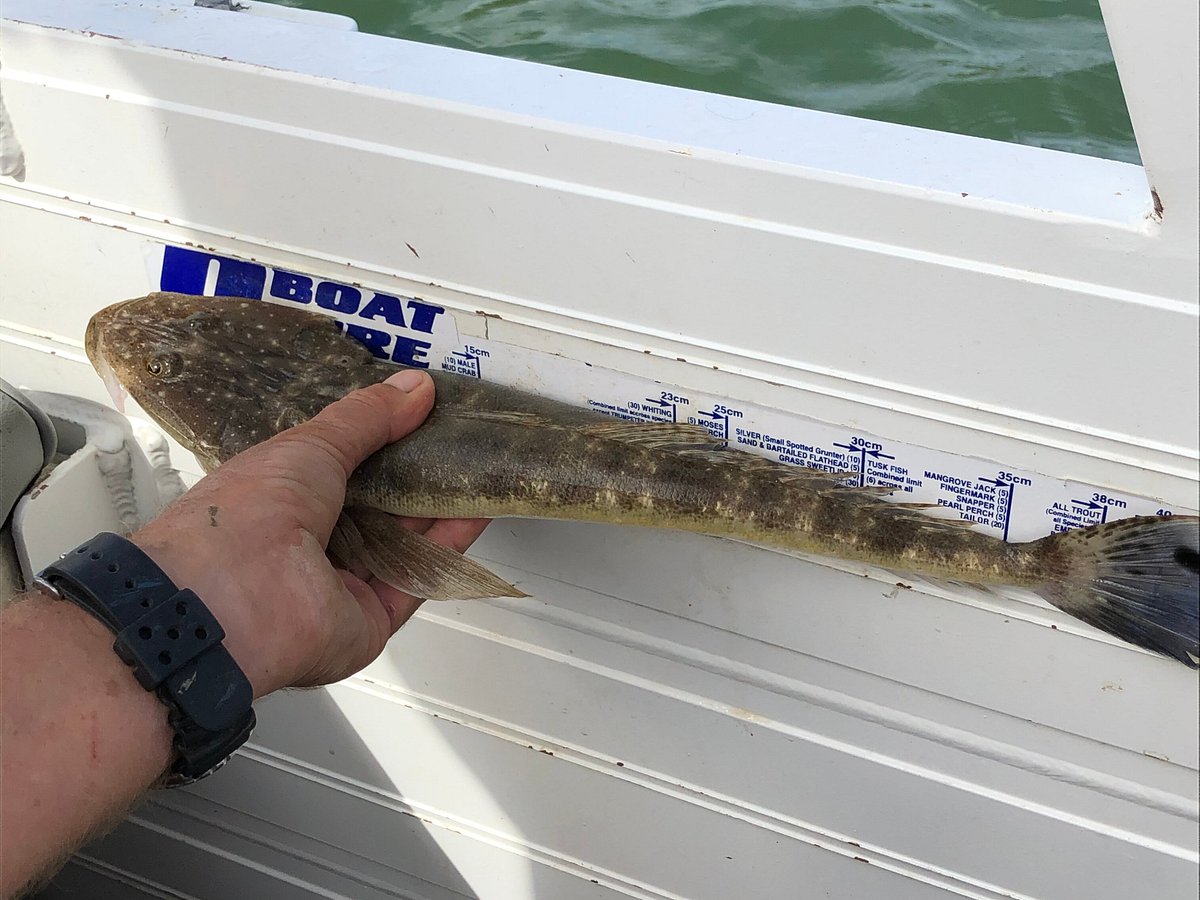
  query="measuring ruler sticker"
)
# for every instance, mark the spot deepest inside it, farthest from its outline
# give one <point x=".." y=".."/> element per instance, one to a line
<point x="1009" y="503"/>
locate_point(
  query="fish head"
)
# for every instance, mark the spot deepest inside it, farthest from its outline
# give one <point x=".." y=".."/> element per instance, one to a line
<point x="222" y="374"/>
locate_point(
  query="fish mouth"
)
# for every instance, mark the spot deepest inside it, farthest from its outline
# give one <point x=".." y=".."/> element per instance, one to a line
<point x="103" y="334"/>
<point x="93" y="345"/>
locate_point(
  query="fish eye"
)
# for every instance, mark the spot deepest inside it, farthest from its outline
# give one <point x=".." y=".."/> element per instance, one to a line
<point x="164" y="365"/>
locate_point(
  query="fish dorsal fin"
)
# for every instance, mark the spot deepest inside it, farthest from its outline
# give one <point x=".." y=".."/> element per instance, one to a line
<point x="930" y="523"/>
<point x="817" y="479"/>
<point x="645" y="434"/>
<point x="410" y="562"/>
<point x="500" y="417"/>
<point x="655" y="434"/>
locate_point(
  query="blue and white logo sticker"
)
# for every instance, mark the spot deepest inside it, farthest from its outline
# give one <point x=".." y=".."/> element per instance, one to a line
<point x="405" y="330"/>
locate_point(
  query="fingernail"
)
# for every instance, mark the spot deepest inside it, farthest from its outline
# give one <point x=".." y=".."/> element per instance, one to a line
<point x="407" y="380"/>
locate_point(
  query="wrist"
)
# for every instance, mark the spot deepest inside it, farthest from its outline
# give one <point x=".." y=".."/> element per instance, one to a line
<point x="171" y="641"/>
<point x="90" y="645"/>
<point x="216" y="583"/>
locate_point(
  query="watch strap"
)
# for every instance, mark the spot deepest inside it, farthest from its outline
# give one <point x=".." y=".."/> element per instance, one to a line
<point x="171" y="641"/>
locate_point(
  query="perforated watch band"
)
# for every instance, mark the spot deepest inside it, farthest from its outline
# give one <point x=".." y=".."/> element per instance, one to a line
<point x="172" y="642"/>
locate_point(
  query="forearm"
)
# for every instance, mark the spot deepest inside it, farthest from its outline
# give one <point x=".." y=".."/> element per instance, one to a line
<point x="80" y="740"/>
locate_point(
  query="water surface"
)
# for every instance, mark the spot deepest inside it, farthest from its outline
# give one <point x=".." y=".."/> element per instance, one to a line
<point x="1029" y="71"/>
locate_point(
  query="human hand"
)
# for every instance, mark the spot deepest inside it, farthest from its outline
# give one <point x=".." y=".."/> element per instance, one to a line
<point x="250" y="540"/>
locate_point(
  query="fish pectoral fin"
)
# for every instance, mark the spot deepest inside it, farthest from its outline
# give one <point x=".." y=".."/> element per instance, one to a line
<point x="345" y="543"/>
<point x="409" y="561"/>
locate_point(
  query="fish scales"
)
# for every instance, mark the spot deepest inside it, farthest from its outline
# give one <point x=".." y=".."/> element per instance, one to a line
<point x="480" y="468"/>
<point x="221" y="375"/>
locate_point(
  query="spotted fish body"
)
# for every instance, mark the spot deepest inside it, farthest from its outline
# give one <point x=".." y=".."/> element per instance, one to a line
<point x="224" y="374"/>
<point x="592" y="469"/>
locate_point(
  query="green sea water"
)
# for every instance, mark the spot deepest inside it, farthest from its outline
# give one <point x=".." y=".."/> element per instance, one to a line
<point x="1028" y="71"/>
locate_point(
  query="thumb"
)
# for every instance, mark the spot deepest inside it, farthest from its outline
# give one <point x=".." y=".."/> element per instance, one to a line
<point x="353" y="428"/>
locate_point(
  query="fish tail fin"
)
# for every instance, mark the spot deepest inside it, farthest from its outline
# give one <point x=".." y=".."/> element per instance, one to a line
<point x="1137" y="579"/>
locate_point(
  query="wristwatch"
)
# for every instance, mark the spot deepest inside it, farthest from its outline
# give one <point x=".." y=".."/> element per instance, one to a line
<point x="173" y="643"/>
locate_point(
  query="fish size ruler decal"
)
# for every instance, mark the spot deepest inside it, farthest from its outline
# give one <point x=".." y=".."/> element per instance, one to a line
<point x="1010" y="503"/>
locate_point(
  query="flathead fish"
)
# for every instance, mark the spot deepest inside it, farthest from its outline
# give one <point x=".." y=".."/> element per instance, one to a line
<point x="221" y="375"/>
